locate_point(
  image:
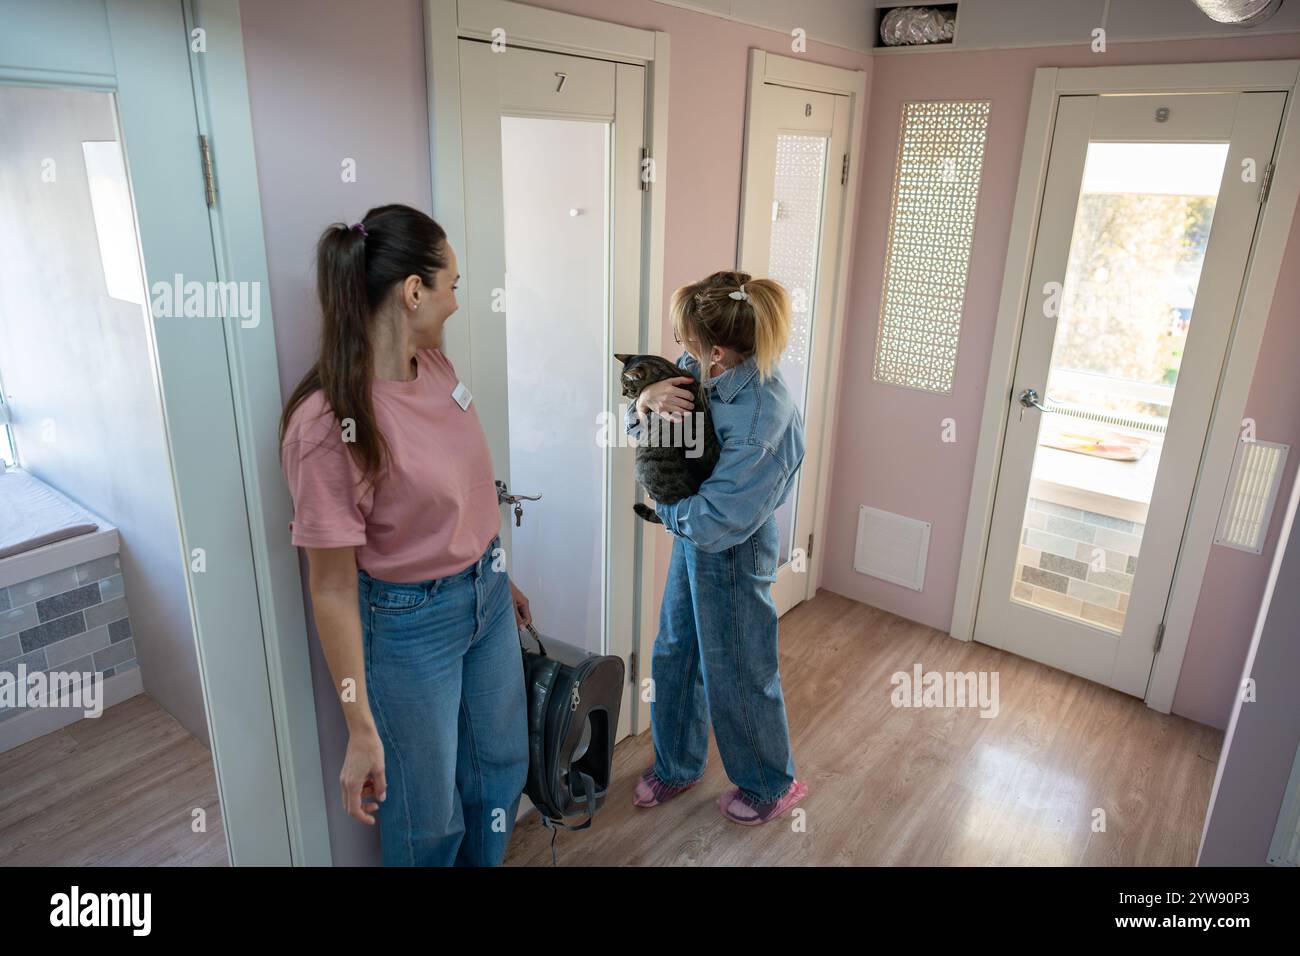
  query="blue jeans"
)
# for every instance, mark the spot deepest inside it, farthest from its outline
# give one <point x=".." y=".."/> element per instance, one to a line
<point x="446" y="688"/>
<point x="715" y="657"/>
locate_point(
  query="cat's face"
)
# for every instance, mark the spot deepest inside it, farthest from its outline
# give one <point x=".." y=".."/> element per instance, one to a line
<point x="642" y="370"/>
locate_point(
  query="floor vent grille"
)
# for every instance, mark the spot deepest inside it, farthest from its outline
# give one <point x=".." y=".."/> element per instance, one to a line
<point x="892" y="547"/>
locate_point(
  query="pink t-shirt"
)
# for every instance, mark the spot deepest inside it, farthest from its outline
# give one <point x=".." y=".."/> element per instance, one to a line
<point x="431" y="513"/>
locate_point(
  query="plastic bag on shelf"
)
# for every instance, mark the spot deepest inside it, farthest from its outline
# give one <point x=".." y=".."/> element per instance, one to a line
<point x="908" y="26"/>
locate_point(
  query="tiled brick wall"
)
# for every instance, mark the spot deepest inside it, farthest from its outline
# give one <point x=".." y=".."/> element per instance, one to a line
<point x="71" y="620"/>
<point x="1059" y="547"/>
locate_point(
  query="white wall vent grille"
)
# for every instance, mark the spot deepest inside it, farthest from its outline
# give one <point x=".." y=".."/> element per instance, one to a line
<point x="892" y="547"/>
<point x="1251" y="494"/>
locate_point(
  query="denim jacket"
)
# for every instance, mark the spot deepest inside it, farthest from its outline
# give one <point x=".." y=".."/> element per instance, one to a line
<point x="761" y="431"/>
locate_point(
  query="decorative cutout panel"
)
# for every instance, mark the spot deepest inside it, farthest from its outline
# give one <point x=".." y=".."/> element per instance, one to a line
<point x="931" y="223"/>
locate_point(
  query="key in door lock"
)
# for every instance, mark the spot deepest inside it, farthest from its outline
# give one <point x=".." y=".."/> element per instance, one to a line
<point x="506" y="498"/>
<point x="1029" y="399"/>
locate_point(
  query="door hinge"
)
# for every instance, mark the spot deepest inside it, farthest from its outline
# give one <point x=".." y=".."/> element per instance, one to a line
<point x="209" y="181"/>
<point x="643" y="169"/>
<point x="632" y="664"/>
<point x="844" y="171"/>
<point x="1266" y="184"/>
<point x="810" y="541"/>
<point x="1160" y="636"/>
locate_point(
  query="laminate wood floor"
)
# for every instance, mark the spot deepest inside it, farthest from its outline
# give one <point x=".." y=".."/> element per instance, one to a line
<point x="117" y="790"/>
<point x="925" y="786"/>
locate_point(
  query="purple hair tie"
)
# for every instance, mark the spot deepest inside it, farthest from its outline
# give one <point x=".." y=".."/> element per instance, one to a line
<point x="362" y="228"/>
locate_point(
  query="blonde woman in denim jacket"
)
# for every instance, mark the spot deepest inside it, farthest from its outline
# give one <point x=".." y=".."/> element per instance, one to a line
<point x="715" y="655"/>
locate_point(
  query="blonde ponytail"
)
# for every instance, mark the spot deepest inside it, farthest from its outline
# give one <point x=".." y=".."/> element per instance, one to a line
<point x="732" y="310"/>
<point x="771" y="307"/>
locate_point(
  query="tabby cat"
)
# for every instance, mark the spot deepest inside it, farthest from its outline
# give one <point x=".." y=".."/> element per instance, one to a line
<point x="684" y="455"/>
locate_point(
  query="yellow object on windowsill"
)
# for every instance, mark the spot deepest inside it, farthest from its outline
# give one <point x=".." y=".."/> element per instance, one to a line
<point x="1102" y="443"/>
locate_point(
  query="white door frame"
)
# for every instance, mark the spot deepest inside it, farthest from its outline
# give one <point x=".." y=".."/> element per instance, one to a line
<point x="446" y="22"/>
<point x="221" y="92"/>
<point x="800" y="74"/>
<point x="1051" y="83"/>
<point x="262" y="722"/>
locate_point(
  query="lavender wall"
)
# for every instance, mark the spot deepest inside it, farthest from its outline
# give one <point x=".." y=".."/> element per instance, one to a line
<point x="329" y="80"/>
<point x="888" y="452"/>
<point x="1259" y="748"/>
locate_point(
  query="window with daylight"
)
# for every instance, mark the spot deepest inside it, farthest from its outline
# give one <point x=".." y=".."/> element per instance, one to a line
<point x="8" y="450"/>
<point x="931" y="222"/>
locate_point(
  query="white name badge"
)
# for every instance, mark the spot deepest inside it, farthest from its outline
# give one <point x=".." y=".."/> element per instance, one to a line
<point x="462" y="396"/>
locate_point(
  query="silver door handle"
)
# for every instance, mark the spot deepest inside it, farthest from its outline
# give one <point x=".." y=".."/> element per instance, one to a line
<point x="1029" y="399"/>
<point x="504" y="496"/>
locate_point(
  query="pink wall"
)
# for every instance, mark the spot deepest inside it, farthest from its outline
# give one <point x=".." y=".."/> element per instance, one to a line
<point x="888" y="452"/>
<point x="331" y="79"/>
<point x="1234" y="580"/>
<point x="706" y="125"/>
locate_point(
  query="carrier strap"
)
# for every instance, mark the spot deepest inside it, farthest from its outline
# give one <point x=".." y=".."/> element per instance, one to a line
<point x="537" y="637"/>
<point x="589" y="786"/>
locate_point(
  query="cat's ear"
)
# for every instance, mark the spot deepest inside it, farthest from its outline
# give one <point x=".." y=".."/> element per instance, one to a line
<point x="621" y="357"/>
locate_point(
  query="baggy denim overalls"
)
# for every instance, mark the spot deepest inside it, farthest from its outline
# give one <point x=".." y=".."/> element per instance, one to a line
<point x="715" y="655"/>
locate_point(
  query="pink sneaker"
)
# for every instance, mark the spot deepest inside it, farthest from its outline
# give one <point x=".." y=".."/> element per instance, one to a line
<point x="738" y="808"/>
<point x="651" y="791"/>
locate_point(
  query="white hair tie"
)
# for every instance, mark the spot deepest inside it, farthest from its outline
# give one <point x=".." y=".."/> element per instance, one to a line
<point x="739" y="295"/>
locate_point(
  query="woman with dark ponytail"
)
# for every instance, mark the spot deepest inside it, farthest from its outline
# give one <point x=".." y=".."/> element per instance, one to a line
<point x="395" y="505"/>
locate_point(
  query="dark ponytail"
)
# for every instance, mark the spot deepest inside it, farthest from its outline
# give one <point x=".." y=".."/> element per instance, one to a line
<point x="356" y="268"/>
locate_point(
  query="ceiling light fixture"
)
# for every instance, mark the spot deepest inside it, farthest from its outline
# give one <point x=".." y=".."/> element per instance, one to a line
<point x="1240" y="13"/>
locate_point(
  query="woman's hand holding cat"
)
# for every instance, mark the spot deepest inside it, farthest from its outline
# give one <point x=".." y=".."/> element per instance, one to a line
<point x="666" y="399"/>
